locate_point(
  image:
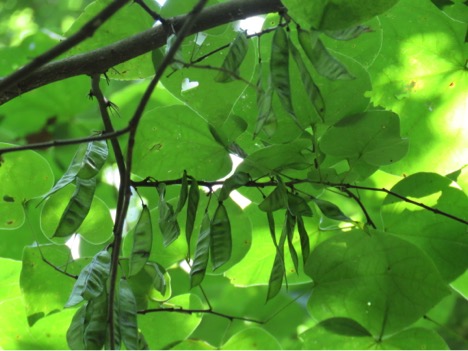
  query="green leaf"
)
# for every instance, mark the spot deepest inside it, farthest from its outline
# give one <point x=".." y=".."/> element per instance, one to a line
<point x="75" y="333"/>
<point x="408" y="89"/>
<point x="202" y="252"/>
<point x="331" y="210"/>
<point x="77" y="209"/>
<point x="235" y="181"/>
<point x="92" y="280"/>
<point x="161" y="280"/>
<point x="220" y="237"/>
<point x="98" y="217"/>
<point x="167" y="219"/>
<point x="164" y="322"/>
<point x="278" y="271"/>
<point x="298" y="206"/>
<point x="348" y="33"/>
<point x="95" y="332"/>
<point x="44" y="289"/>
<point x="127" y="21"/>
<point x="183" y="194"/>
<point x="311" y="88"/>
<point x="279" y="67"/>
<point x="235" y="56"/>
<point x="252" y="339"/>
<point x="127" y="316"/>
<point x="305" y="242"/>
<point x="142" y="242"/>
<point x="14" y="193"/>
<point x="290" y="224"/>
<point x="350" y="269"/>
<point x="275" y="158"/>
<point x="266" y="118"/>
<point x="161" y="152"/>
<point x="325" y="64"/>
<point x="193" y="199"/>
<point x="276" y="200"/>
<point x="372" y="136"/>
<point x="443" y="239"/>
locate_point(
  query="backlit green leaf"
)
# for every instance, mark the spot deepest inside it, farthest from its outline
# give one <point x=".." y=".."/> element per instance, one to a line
<point x="235" y="56"/>
<point x="142" y="242"/>
<point x="252" y="339"/>
<point x="325" y="64"/>
<point x="13" y="192"/>
<point x="92" y="279"/>
<point x="443" y="239"/>
<point x="350" y="269"/>
<point x="220" y="237"/>
<point x="202" y="252"/>
<point x="372" y="136"/>
<point x="77" y="209"/>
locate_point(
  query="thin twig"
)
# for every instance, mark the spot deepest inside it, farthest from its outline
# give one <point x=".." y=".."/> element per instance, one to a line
<point x="103" y="104"/>
<point x="205" y="311"/>
<point x="152" y="13"/>
<point x="234" y="75"/>
<point x="57" y="268"/>
<point x="361" y="205"/>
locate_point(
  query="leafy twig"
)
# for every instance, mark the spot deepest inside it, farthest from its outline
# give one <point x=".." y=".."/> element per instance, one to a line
<point x="125" y="181"/>
<point x="361" y="205"/>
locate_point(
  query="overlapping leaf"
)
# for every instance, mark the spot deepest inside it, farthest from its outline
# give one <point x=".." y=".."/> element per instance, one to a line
<point x="142" y="242"/>
<point x="350" y="269"/>
<point x="92" y="280"/>
<point x="220" y="237"/>
<point x="202" y="252"/>
<point x="235" y="56"/>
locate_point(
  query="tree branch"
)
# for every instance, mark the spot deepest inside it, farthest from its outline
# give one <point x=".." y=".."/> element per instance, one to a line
<point x="100" y="60"/>
<point x="85" y="32"/>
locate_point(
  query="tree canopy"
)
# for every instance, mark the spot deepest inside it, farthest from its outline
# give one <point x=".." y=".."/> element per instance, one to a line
<point x="233" y="174"/>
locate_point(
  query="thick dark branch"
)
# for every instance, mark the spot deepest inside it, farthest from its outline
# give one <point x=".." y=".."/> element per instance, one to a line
<point x="100" y="60"/>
